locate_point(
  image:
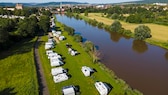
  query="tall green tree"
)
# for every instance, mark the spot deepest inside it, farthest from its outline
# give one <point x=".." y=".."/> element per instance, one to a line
<point x="4" y="35"/>
<point x="86" y="13"/>
<point x="116" y="26"/>
<point x="44" y="23"/>
<point x="142" y="32"/>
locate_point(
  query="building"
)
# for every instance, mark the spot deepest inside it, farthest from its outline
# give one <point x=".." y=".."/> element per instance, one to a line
<point x="19" y="6"/>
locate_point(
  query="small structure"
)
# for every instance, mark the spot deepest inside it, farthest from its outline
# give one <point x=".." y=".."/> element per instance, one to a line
<point x="58" y="70"/>
<point x="56" y="62"/>
<point x="68" y="90"/>
<point x="60" y="77"/>
<point x="49" y="51"/>
<point x="61" y="38"/>
<point x="49" y="45"/>
<point x="51" y="55"/>
<point x="87" y="70"/>
<point x="103" y="88"/>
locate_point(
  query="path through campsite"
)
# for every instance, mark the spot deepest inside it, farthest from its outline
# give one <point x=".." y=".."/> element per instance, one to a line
<point x="43" y="89"/>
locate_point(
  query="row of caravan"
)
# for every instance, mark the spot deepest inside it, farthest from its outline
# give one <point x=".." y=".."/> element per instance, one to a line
<point x="50" y="44"/>
<point x="59" y="74"/>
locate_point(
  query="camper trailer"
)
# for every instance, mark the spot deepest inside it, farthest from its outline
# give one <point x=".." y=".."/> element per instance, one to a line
<point x="60" y="77"/>
<point x="56" y="62"/>
<point x="102" y="88"/>
<point x="68" y="90"/>
<point x="87" y="70"/>
<point x="58" y="70"/>
<point x="49" y="51"/>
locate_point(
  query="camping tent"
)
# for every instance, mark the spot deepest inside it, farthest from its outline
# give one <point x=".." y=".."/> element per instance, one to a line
<point x="58" y="70"/>
<point x="87" y="70"/>
<point x="68" y="90"/>
<point x="103" y="88"/>
<point x="60" y="77"/>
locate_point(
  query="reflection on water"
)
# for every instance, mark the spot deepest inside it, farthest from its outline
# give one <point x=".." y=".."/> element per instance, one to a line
<point x="139" y="46"/>
<point x="166" y="55"/>
<point x="115" y="36"/>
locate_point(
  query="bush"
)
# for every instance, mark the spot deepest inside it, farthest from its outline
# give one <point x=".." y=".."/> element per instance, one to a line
<point x="78" y="38"/>
<point x="142" y="32"/>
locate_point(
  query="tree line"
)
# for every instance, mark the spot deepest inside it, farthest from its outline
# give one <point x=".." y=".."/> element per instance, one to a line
<point x="130" y="13"/>
<point x="14" y="30"/>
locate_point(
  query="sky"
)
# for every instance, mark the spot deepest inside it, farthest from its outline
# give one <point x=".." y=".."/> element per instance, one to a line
<point x="88" y="1"/>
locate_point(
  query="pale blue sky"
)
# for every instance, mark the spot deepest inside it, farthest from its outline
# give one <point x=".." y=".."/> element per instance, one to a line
<point x="42" y="1"/>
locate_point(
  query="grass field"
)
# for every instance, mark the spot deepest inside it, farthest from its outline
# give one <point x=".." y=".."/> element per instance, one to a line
<point x="17" y="70"/>
<point x="159" y="32"/>
<point x="74" y="64"/>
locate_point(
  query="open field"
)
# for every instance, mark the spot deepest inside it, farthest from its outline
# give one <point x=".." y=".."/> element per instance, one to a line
<point x="159" y="32"/>
<point x="74" y="64"/>
<point x="17" y="70"/>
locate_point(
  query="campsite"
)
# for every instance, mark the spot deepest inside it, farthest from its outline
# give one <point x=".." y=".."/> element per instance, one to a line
<point x="73" y="66"/>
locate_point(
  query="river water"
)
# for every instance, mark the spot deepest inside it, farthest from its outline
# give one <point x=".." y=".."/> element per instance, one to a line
<point x="141" y="65"/>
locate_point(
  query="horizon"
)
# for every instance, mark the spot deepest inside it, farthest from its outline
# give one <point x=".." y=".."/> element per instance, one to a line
<point x="79" y="1"/>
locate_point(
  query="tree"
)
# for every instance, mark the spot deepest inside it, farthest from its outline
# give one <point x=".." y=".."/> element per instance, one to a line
<point x="142" y="32"/>
<point x="44" y="23"/>
<point x="3" y="35"/>
<point x="91" y="49"/>
<point x="116" y="26"/>
<point x="89" y="46"/>
<point x="78" y="38"/>
<point x="86" y="13"/>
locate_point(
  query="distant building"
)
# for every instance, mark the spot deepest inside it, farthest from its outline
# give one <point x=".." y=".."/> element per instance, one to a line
<point x="19" y="6"/>
<point x="9" y="9"/>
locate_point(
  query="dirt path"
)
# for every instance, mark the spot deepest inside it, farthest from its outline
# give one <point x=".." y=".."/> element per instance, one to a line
<point x="43" y="89"/>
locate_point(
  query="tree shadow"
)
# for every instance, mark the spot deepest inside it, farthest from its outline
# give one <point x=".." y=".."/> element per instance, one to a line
<point x="8" y="91"/>
<point x="115" y="37"/>
<point x="166" y="55"/>
<point x="139" y="46"/>
<point x="18" y="48"/>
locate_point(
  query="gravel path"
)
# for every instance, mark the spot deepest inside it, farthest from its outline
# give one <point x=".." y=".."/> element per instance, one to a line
<point x="43" y="89"/>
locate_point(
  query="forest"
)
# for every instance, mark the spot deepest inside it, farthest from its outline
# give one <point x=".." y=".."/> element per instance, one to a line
<point x="13" y="30"/>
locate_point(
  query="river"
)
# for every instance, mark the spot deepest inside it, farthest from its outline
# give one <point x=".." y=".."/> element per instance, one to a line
<point x="141" y="65"/>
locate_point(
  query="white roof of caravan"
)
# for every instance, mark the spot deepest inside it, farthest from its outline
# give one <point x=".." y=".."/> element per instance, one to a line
<point x="54" y="54"/>
<point x="58" y="70"/>
<point x="60" y="77"/>
<point x="86" y="70"/>
<point x="49" y="51"/>
<point x="69" y="91"/>
<point x="101" y="87"/>
<point x="56" y="62"/>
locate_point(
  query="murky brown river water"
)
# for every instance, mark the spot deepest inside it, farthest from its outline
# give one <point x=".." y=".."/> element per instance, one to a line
<point x="141" y="65"/>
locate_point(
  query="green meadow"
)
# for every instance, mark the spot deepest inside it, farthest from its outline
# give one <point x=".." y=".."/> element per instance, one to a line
<point x="17" y="70"/>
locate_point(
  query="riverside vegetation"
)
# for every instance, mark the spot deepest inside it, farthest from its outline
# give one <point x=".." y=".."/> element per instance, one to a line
<point x="130" y="17"/>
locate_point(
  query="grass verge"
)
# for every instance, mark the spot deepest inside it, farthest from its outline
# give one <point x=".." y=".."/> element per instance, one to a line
<point x="18" y="72"/>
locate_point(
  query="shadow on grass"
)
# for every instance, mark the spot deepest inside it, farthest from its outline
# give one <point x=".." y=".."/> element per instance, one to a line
<point x="8" y="91"/>
<point x="110" y="86"/>
<point x="21" y="47"/>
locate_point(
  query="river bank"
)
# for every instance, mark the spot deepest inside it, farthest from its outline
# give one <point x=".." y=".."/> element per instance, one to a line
<point x="159" y="32"/>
